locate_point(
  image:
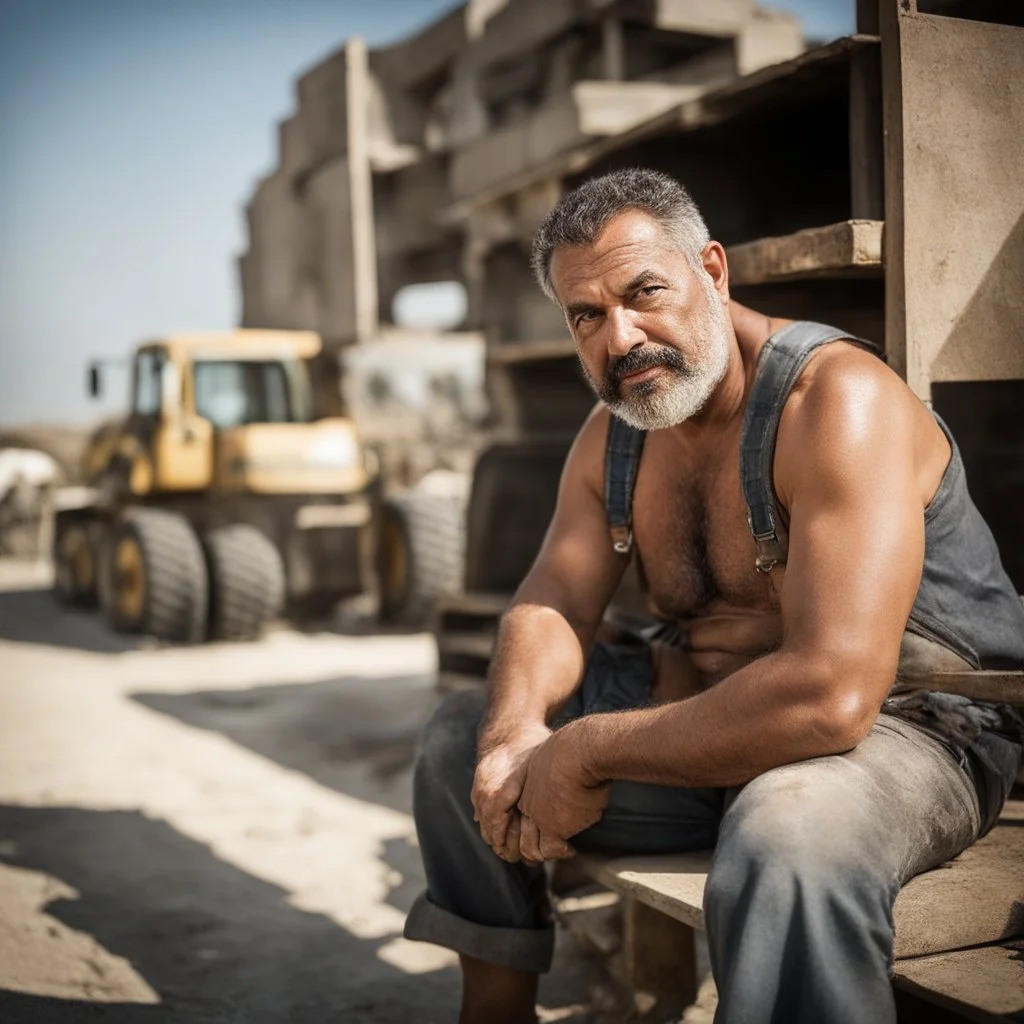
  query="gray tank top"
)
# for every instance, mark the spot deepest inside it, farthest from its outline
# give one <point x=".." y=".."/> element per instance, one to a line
<point x="966" y="605"/>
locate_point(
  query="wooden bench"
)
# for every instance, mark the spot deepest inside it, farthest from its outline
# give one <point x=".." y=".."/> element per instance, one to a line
<point x="959" y="928"/>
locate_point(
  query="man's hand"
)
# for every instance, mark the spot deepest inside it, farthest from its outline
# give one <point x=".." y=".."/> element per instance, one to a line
<point x="560" y="796"/>
<point x="498" y="784"/>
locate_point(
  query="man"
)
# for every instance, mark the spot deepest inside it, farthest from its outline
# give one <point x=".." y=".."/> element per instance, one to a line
<point x="802" y="526"/>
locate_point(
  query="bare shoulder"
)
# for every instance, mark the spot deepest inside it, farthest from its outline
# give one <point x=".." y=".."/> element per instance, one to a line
<point x="847" y="407"/>
<point x="847" y="388"/>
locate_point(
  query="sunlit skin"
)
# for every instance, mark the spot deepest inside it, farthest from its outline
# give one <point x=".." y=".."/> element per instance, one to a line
<point x="783" y="667"/>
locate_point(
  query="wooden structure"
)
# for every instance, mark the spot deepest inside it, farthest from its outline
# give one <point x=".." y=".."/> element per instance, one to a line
<point x="959" y="928"/>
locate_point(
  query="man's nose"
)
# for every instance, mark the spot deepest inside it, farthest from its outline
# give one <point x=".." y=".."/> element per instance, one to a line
<point x="623" y="333"/>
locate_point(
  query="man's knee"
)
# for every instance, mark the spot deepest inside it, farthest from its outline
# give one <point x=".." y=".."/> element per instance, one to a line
<point x="446" y="753"/>
<point x="793" y="834"/>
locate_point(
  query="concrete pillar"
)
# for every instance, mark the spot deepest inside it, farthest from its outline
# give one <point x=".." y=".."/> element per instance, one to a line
<point x="364" y="250"/>
<point x="613" y="50"/>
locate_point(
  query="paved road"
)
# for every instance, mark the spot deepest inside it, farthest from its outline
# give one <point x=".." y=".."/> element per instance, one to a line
<point x="218" y="833"/>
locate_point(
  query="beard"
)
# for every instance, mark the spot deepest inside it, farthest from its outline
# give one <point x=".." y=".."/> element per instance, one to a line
<point x="683" y="388"/>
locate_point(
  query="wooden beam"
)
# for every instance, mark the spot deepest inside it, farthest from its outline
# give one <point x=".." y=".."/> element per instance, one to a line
<point x="836" y="250"/>
<point x="985" y="984"/>
<point x="659" y="958"/>
<point x="976" y="899"/>
<point x="999" y="687"/>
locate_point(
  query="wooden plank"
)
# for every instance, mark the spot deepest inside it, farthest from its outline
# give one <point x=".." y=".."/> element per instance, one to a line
<point x="975" y="900"/>
<point x="788" y="79"/>
<point x="1001" y="687"/>
<point x="671" y="883"/>
<point x="849" y="247"/>
<point x="985" y="985"/>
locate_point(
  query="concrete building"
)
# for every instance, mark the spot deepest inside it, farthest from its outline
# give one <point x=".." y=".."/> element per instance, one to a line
<point x="386" y="169"/>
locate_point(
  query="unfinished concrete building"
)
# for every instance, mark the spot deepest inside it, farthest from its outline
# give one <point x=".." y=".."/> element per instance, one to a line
<point x="386" y="144"/>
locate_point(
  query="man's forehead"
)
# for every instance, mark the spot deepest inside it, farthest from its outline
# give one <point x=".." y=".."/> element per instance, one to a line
<point x="630" y="242"/>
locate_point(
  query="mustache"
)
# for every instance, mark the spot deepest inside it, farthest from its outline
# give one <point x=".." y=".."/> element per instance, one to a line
<point x="644" y="357"/>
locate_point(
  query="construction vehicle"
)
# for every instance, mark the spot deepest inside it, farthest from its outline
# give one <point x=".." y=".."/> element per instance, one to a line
<point x="221" y="498"/>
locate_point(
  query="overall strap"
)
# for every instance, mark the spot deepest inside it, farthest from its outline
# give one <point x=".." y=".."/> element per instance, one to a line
<point x="622" y="453"/>
<point x="779" y="364"/>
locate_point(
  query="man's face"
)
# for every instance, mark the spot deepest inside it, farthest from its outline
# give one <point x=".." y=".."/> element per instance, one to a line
<point x="652" y="333"/>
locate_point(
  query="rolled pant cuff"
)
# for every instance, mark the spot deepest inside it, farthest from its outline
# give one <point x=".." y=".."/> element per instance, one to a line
<point x="525" y="949"/>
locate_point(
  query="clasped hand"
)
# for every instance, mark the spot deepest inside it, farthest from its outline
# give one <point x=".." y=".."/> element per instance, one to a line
<point x="532" y="793"/>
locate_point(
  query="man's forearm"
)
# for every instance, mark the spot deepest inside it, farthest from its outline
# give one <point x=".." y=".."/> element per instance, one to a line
<point x="772" y="712"/>
<point x="538" y="662"/>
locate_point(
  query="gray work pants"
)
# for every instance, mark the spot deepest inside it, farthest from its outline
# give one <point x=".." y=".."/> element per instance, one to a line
<point x="808" y="857"/>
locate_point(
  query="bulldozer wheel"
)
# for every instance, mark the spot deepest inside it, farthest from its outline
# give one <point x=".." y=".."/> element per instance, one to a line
<point x="247" y="581"/>
<point x="74" y="565"/>
<point x="155" y="577"/>
<point x="419" y="554"/>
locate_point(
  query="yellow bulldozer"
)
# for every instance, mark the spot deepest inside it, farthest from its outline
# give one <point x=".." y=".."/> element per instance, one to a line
<point x="221" y="498"/>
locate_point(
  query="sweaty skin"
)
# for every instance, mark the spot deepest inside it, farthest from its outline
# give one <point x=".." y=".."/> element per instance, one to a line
<point x="782" y="667"/>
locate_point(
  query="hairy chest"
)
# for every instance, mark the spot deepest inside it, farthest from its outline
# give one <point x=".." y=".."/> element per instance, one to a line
<point x="692" y="539"/>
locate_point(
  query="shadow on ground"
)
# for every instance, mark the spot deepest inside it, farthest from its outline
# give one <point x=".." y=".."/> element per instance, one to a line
<point x="354" y="734"/>
<point x="214" y="942"/>
<point x="33" y="616"/>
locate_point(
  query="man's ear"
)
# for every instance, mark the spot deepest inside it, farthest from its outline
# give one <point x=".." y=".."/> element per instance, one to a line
<point x="714" y="262"/>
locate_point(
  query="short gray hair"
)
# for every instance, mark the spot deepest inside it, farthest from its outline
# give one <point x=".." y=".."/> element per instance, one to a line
<point x="580" y="216"/>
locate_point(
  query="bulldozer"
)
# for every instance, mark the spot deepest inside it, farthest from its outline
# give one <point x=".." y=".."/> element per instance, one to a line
<point x="221" y="499"/>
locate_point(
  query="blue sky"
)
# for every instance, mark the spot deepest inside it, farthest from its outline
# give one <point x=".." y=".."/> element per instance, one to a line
<point x="131" y="134"/>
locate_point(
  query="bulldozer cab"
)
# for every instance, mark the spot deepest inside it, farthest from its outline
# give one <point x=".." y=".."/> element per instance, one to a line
<point x="230" y="412"/>
<point x="163" y="443"/>
<point x="231" y="393"/>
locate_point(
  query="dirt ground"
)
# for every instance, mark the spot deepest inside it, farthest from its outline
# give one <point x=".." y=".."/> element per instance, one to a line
<point x="218" y="833"/>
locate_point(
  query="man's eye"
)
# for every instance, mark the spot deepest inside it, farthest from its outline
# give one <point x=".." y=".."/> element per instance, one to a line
<point x="583" y="318"/>
<point x="650" y="289"/>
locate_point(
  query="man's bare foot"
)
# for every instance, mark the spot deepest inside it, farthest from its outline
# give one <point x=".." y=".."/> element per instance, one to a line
<point x="496" y="995"/>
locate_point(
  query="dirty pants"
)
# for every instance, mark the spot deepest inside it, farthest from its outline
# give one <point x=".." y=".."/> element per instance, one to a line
<point x="808" y="857"/>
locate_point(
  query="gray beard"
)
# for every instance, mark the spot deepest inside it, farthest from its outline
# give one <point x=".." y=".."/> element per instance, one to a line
<point x="679" y="394"/>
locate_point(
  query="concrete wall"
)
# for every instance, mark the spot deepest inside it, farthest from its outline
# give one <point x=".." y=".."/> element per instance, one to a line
<point x="961" y="259"/>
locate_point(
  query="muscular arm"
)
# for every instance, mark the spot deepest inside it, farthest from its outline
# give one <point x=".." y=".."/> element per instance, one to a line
<point x="845" y="469"/>
<point x="546" y="634"/>
<point x="545" y="637"/>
